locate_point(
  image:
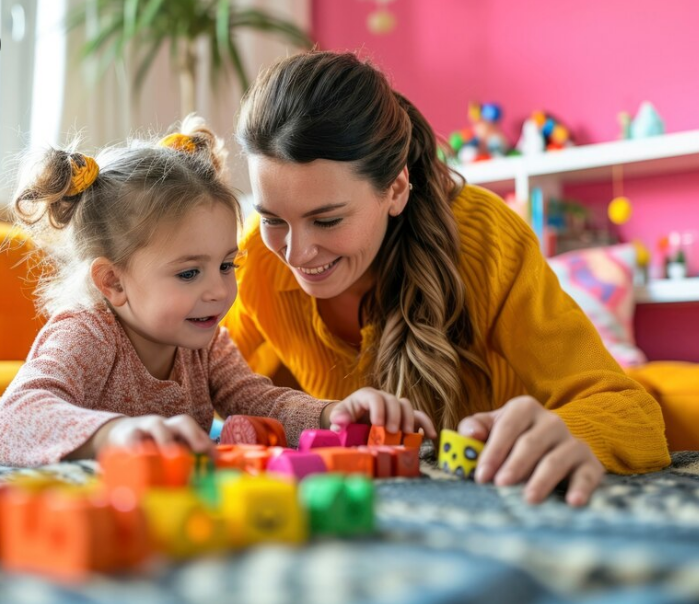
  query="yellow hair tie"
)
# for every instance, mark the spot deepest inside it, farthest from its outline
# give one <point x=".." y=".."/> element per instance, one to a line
<point x="84" y="172"/>
<point x="179" y="142"/>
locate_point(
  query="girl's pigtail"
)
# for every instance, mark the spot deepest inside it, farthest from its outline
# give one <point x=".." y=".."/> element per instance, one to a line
<point x="54" y="188"/>
<point x="197" y="138"/>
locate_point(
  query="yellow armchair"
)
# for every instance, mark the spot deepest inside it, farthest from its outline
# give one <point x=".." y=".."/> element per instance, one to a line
<point x="19" y="321"/>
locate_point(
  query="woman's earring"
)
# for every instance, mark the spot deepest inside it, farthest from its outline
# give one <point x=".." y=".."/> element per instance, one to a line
<point x="410" y="186"/>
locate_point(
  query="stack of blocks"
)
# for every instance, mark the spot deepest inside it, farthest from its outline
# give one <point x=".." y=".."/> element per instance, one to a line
<point x="168" y="501"/>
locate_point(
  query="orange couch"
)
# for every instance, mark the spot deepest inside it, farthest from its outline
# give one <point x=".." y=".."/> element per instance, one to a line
<point x="19" y="321"/>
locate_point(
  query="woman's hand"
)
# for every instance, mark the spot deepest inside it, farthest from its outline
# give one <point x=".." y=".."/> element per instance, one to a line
<point x="526" y="442"/>
<point x="128" y="431"/>
<point x="383" y="409"/>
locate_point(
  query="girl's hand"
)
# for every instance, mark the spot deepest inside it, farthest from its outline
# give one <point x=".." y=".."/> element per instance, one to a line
<point x="128" y="431"/>
<point x="526" y="442"/>
<point x="383" y="409"/>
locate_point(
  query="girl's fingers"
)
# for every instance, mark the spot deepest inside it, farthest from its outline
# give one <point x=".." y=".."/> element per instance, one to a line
<point x="394" y="410"/>
<point x="424" y="422"/>
<point x="407" y="414"/>
<point x="160" y="433"/>
<point x="189" y="431"/>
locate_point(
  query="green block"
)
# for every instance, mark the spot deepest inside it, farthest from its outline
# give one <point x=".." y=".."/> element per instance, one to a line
<point x="338" y="505"/>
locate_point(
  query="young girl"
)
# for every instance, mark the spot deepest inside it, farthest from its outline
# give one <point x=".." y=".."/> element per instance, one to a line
<point x="142" y="244"/>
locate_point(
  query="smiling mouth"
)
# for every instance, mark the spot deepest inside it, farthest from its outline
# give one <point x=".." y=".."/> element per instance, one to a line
<point x="203" y="319"/>
<point x="318" y="270"/>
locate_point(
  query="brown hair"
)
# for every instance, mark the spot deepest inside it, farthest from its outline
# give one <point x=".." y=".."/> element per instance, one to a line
<point x="139" y="187"/>
<point x="324" y="105"/>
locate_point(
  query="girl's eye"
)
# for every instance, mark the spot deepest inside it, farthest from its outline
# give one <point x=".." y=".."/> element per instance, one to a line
<point x="227" y="267"/>
<point x="188" y="275"/>
<point x="326" y="224"/>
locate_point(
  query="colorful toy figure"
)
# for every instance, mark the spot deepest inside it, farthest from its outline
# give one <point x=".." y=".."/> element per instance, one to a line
<point x="483" y="138"/>
<point x="458" y="454"/>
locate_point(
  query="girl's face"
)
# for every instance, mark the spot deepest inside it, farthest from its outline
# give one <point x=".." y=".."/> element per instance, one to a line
<point x="323" y="220"/>
<point x="178" y="287"/>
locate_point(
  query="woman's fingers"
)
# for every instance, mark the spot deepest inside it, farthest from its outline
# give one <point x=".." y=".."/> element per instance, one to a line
<point x="516" y="417"/>
<point x="546" y="432"/>
<point x="583" y="482"/>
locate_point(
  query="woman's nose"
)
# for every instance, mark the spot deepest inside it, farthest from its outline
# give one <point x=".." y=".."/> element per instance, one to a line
<point x="299" y="250"/>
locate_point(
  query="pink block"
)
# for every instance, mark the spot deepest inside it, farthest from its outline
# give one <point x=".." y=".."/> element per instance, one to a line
<point x="312" y="439"/>
<point x="354" y="435"/>
<point x="296" y="464"/>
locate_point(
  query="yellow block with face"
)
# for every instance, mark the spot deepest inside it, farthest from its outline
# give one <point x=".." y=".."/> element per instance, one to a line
<point x="458" y="454"/>
<point x="259" y="509"/>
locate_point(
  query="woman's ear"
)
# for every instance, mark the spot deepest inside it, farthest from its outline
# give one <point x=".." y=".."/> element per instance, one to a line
<point x="107" y="279"/>
<point x="399" y="192"/>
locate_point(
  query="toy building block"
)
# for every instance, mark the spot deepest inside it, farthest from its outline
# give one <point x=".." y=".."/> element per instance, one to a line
<point x="458" y="454"/>
<point x="346" y="460"/>
<point x="378" y="435"/>
<point x="248" y="429"/>
<point x="145" y="466"/>
<point x="313" y="439"/>
<point x="68" y="533"/>
<point x="354" y="435"/>
<point x="296" y="464"/>
<point x="383" y="461"/>
<point x="412" y="440"/>
<point x="180" y="525"/>
<point x="405" y="461"/>
<point x="262" y="509"/>
<point x="276" y="437"/>
<point x="337" y="505"/>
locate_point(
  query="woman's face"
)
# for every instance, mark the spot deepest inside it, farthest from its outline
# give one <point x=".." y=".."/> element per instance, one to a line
<point x="323" y="220"/>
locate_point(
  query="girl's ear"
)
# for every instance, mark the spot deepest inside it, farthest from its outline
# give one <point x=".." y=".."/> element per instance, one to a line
<point x="107" y="279"/>
<point x="398" y="193"/>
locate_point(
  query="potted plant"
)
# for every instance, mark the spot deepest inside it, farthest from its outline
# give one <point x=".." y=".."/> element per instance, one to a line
<point x="145" y="26"/>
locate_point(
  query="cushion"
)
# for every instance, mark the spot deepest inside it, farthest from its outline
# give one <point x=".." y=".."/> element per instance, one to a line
<point x="600" y="280"/>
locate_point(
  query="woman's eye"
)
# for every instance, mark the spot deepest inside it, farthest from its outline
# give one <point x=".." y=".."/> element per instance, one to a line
<point x="272" y="222"/>
<point x="227" y="267"/>
<point x="326" y="224"/>
<point x="188" y="275"/>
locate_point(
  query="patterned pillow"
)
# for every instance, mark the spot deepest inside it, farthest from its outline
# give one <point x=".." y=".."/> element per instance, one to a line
<point x="600" y="280"/>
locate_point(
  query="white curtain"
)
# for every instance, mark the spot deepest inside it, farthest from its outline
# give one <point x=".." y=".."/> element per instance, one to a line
<point x="68" y="98"/>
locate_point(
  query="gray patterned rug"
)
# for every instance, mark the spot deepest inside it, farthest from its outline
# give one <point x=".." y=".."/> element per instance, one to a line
<point x="444" y="540"/>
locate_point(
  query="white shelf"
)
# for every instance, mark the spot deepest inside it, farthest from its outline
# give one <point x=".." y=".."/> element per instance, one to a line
<point x="668" y="290"/>
<point x="668" y="153"/>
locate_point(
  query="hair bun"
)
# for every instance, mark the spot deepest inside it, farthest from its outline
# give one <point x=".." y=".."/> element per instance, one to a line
<point x="84" y="172"/>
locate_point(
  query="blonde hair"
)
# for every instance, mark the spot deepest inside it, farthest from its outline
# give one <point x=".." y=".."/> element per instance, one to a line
<point x="139" y="187"/>
<point x="324" y="105"/>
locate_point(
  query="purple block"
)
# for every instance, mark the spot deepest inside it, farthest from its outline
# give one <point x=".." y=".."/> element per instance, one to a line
<point x="297" y="464"/>
<point x="354" y="435"/>
<point x="312" y="439"/>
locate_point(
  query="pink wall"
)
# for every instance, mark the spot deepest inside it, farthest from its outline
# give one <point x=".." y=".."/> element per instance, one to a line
<point x="584" y="62"/>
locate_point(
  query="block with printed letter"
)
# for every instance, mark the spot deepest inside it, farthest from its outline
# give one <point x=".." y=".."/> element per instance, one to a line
<point x="347" y="460"/>
<point x="378" y="435"/>
<point x="337" y="505"/>
<point x="405" y="461"/>
<point x="383" y="461"/>
<point x="262" y="509"/>
<point x="458" y="454"/>
<point x="313" y="439"/>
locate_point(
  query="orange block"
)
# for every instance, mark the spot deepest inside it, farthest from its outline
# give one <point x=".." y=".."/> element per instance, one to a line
<point x="347" y="461"/>
<point x="379" y="436"/>
<point x="383" y="461"/>
<point x="405" y="462"/>
<point x="249" y="429"/>
<point x="412" y="439"/>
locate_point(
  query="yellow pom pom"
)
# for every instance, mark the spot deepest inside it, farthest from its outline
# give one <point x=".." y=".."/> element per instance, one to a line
<point x="642" y="253"/>
<point x="381" y="22"/>
<point x="84" y="173"/>
<point x="619" y="210"/>
<point x="179" y="142"/>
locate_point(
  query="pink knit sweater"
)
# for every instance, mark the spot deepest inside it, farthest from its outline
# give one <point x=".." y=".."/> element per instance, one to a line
<point x="83" y="371"/>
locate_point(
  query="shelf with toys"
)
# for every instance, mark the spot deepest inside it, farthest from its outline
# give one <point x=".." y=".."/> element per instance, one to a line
<point x="532" y="176"/>
<point x="662" y="154"/>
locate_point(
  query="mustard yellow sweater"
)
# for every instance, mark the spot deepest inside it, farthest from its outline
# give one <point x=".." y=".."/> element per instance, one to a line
<point x="536" y="340"/>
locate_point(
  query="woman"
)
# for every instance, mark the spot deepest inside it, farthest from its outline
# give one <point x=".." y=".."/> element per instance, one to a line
<point x="372" y="263"/>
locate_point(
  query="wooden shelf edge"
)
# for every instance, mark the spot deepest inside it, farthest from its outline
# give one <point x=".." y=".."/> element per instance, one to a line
<point x="666" y="291"/>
